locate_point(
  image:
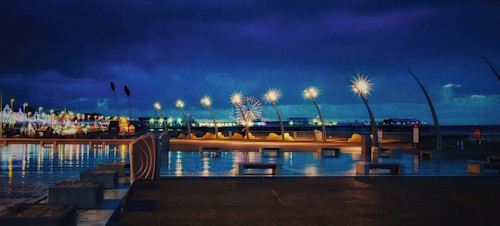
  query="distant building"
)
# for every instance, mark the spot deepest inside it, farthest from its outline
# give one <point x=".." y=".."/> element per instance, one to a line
<point x="402" y="121"/>
<point x="91" y="117"/>
<point x="353" y="123"/>
<point x="298" y="121"/>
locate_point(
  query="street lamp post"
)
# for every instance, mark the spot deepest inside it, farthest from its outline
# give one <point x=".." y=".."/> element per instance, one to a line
<point x="312" y="93"/>
<point x="236" y="99"/>
<point x="12" y="99"/>
<point x="207" y="101"/>
<point x="362" y="87"/>
<point x="272" y="96"/>
<point x="51" y="118"/>
<point x="180" y="104"/>
<point x="434" y="116"/>
<point x="25" y="115"/>
<point x="24" y="107"/>
<point x="157" y="107"/>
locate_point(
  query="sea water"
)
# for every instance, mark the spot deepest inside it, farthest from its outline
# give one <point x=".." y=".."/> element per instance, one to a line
<point x="28" y="170"/>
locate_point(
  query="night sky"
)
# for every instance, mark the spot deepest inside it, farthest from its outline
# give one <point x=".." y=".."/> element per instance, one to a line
<point x="65" y="53"/>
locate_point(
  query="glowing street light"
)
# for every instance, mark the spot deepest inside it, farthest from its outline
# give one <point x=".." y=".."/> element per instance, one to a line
<point x="12" y="99"/>
<point x="180" y="104"/>
<point x="24" y="107"/>
<point x="272" y="96"/>
<point x="312" y="93"/>
<point x="206" y="101"/>
<point x="51" y="117"/>
<point x="157" y="107"/>
<point x="237" y="99"/>
<point x="362" y="86"/>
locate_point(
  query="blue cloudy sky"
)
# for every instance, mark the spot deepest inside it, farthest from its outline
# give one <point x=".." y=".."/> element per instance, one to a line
<point x="65" y="53"/>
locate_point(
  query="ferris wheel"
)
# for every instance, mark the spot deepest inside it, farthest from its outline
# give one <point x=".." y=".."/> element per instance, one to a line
<point x="252" y="109"/>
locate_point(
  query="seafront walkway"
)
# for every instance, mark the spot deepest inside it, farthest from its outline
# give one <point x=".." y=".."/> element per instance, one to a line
<point x="395" y="200"/>
<point x="294" y="200"/>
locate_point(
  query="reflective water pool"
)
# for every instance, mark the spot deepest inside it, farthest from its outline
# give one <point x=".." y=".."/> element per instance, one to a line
<point x="27" y="170"/>
<point x="300" y="164"/>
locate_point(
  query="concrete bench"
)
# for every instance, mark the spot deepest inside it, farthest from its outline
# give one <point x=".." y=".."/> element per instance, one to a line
<point x="477" y="167"/>
<point x="329" y="152"/>
<point x="240" y="167"/>
<point x="492" y="158"/>
<point x="263" y="150"/>
<point x="118" y="166"/>
<point x="39" y="214"/>
<point x="83" y="194"/>
<point x="363" y="168"/>
<point x="108" y="177"/>
<point x="217" y="150"/>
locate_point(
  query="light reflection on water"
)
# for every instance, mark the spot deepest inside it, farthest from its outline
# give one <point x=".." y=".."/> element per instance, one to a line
<point x="23" y="165"/>
<point x="300" y="164"/>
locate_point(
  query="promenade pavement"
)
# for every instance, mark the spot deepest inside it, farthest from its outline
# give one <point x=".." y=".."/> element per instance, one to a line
<point x="379" y="200"/>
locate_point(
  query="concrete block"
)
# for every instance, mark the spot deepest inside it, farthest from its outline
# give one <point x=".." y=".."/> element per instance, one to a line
<point x="362" y="168"/>
<point x="108" y="177"/>
<point x="118" y="166"/>
<point x="240" y="167"/>
<point x="83" y="194"/>
<point x="40" y="214"/>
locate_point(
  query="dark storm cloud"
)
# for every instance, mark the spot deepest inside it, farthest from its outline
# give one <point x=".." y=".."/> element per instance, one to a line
<point x="162" y="49"/>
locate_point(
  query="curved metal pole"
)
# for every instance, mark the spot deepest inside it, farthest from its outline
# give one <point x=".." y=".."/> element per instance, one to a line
<point x="434" y="116"/>
<point x="372" y="122"/>
<point x="187" y="123"/>
<point x="321" y="118"/>
<point x="491" y="66"/>
<point x="281" y="122"/>
<point x="215" y="123"/>
<point x="246" y="123"/>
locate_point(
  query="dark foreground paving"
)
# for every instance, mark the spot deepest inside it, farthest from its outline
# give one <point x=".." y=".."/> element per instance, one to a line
<point x="316" y="201"/>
